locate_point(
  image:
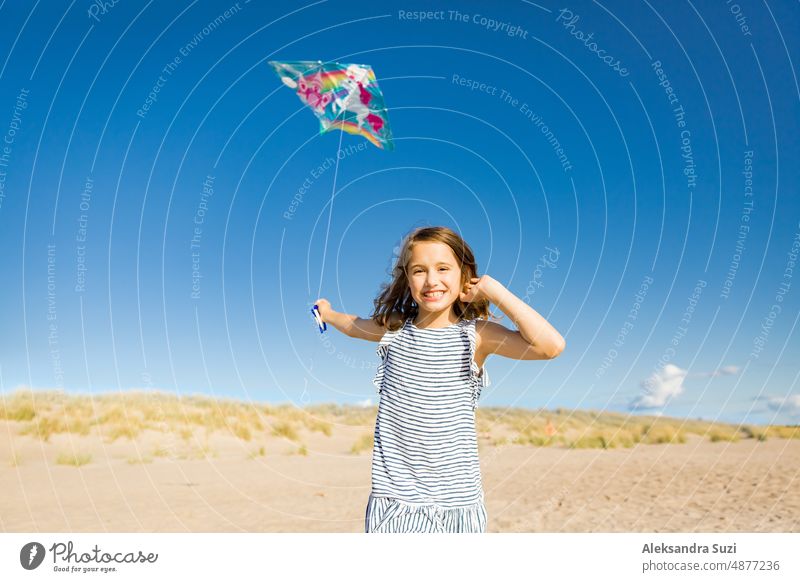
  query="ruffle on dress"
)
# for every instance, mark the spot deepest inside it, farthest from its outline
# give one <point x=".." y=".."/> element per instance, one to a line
<point x="383" y="351"/>
<point x="388" y="515"/>
<point x="479" y="377"/>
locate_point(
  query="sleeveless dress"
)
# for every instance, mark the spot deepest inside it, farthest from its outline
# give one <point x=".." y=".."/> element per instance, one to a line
<point x="425" y="471"/>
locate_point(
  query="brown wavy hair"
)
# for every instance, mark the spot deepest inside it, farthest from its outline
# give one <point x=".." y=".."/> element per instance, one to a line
<point x="394" y="306"/>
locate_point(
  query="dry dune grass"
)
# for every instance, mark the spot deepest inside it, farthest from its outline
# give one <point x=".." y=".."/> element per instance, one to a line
<point x="364" y="443"/>
<point x="582" y="429"/>
<point x="74" y="459"/>
<point x="129" y="415"/>
<point x="187" y="419"/>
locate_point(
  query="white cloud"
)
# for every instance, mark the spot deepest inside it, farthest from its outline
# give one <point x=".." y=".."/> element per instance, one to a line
<point x="726" y="371"/>
<point x="660" y="387"/>
<point x="364" y="403"/>
<point x="723" y="371"/>
<point x="788" y="405"/>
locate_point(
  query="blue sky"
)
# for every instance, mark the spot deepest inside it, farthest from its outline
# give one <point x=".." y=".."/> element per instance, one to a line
<point x="629" y="169"/>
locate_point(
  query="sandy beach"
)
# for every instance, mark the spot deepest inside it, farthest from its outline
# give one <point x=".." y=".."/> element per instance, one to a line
<point x="299" y="479"/>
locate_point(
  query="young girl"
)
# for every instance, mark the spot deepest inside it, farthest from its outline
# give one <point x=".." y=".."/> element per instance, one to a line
<point x="434" y="338"/>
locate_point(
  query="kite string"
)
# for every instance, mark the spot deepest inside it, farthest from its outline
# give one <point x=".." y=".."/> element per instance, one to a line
<point x="330" y="213"/>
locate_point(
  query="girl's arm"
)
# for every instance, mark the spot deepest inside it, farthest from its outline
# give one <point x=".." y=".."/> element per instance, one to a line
<point x="536" y="338"/>
<point x="350" y="325"/>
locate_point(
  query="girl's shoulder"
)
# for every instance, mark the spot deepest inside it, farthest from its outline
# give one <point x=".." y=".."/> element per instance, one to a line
<point x="484" y="331"/>
<point x="478" y="323"/>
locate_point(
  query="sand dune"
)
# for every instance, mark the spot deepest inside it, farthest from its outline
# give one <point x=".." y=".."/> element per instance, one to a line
<point x="155" y="464"/>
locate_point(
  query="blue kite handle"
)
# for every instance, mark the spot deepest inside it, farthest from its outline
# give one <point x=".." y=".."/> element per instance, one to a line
<point x="322" y="325"/>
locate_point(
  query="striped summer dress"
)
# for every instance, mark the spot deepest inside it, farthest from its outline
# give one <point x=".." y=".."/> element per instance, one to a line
<point x="425" y="471"/>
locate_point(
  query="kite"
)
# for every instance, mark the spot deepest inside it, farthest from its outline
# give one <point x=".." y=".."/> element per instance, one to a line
<point x="342" y="96"/>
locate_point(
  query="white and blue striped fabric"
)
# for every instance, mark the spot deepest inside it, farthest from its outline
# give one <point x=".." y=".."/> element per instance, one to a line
<point x="425" y="471"/>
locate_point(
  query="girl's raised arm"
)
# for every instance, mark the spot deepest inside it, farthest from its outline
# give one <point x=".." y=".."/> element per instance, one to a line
<point x="350" y="325"/>
<point x="536" y="338"/>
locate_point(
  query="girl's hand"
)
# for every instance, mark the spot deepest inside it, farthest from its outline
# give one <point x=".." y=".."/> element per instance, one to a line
<point x="324" y="307"/>
<point x="476" y="289"/>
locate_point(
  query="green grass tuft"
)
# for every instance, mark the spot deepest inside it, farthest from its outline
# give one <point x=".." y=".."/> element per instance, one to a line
<point x="73" y="459"/>
<point x="364" y="443"/>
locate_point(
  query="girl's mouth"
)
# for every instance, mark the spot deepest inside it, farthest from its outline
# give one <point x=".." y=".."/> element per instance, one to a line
<point x="433" y="296"/>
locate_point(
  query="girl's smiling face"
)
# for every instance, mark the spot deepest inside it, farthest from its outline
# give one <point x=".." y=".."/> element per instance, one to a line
<point x="434" y="276"/>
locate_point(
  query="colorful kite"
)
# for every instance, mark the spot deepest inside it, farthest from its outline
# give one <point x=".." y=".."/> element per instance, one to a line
<point x="345" y="97"/>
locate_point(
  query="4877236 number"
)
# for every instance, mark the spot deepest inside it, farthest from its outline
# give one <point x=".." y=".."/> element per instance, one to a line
<point x="755" y="565"/>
